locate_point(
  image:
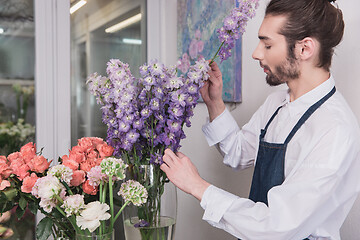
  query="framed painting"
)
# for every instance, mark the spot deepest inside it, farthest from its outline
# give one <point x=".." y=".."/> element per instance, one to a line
<point x="197" y="22"/>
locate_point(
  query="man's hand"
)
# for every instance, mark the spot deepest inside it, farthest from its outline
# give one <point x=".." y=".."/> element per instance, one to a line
<point x="211" y="92"/>
<point x="182" y="172"/>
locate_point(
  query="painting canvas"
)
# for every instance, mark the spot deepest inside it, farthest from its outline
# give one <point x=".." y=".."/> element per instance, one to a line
<point x="197" y="23"/>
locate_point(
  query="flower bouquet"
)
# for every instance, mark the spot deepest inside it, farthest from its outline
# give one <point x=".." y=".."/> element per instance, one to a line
<point x="146" y="115"/>
<point x="76" y="196"/>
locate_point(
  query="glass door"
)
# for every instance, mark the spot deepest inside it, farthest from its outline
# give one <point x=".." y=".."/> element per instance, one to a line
<point x="17" y="104"/>
<point x="100" y="31"/>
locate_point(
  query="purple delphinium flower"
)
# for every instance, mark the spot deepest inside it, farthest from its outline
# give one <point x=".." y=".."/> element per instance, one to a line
<point x="234" y="26"/>
<point x="156" y="159"/>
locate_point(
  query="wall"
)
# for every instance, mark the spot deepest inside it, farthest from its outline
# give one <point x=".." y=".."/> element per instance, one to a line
<point x="208" y="160"/>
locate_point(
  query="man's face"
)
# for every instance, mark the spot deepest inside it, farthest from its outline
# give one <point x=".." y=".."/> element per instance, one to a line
<point x="272" y="52"/>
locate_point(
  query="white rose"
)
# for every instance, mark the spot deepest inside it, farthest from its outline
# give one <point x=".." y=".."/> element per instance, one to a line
<point x="92" y="214"/>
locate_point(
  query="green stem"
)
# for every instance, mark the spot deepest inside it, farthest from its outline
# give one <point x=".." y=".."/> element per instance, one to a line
<point x="111" y="202"/>
<point x="119" y="212"/>
<point x="213" y="59"/>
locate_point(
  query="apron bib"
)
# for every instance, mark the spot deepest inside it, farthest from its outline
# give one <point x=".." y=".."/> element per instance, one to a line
<point x="270" y="161"/>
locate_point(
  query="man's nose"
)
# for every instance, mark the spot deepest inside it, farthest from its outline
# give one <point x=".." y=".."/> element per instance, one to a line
<point x="257" y="54"/>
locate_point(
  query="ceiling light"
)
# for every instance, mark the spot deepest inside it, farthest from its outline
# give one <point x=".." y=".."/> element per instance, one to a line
<point x="2" y="30"/>
<point x="77" y="6"/>
<point x="132" y="41"/>
<point x="124" y="24"/>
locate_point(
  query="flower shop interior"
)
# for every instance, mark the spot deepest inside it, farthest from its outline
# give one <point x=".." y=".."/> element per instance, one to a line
<point x="48" y="48"/>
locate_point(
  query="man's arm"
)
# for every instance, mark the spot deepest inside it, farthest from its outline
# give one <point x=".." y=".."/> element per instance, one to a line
<point x="211" y="92"/>
<point x="182" y="172"/>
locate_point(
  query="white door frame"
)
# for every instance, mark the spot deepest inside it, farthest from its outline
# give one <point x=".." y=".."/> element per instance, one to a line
<point x="52" y="77"/>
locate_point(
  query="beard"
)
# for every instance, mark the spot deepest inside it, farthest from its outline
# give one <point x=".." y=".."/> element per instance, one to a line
<point x="285" y="71"/>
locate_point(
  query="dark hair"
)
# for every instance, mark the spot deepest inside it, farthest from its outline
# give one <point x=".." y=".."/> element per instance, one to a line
<point x="310" y="18"/>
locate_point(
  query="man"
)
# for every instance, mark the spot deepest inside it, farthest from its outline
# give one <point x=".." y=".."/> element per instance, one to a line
<point x="304" y="142"/>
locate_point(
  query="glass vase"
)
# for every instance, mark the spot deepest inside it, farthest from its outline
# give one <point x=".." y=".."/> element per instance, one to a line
<point x="95" y="236"/>
<point x="157" y="217"/>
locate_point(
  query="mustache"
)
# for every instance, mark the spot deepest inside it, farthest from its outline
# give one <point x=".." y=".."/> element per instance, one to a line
<point x="265" y="66"/>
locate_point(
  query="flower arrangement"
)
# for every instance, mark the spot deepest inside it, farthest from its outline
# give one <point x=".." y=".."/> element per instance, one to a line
<point x="145" y="116"/>
<point x="76" y="196"/>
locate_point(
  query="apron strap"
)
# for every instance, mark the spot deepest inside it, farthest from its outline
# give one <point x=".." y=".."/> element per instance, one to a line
<point x="263" y="131"/>
<point x="308" y="113"/>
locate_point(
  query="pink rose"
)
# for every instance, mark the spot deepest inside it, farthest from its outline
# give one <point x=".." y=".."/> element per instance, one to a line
<point x="4" y="184"/>
<point x="28" y="152"/>
<point x="5" y="170"/>
<point x="70" y="163"/>
<point x="89" y="189"/>
<point x="14" y="156"/>
<point x="39" y="164"/>
<point x="105" y="150"/>
<point x="78" y="178"/>
<point x="77" y="156"/>
<point x="93" y="154"/>
<point x="28" y="183"/>
<point x="96" y="141"/>
<point x="22" y="171"/>
<point x="3" y="159"/>
<point x="85" y="144"/>
<point x="86" y="166"/>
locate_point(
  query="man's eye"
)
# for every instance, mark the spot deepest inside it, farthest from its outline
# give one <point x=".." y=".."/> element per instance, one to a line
<point x="267" y="47"/>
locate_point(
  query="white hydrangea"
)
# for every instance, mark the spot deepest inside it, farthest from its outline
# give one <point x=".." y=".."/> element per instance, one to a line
<point x="73" y="204"/>
<point x="61" y="171"/>
<point x="134" y="192"/>
<point x="113" y="167"/>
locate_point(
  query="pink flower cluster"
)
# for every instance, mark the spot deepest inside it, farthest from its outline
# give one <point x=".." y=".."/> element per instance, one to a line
<point x="89" y="153"/>
<point x="24" y="164"/>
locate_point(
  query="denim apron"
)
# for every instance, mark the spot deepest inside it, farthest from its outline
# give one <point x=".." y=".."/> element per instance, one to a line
<point x="269" y="166"/>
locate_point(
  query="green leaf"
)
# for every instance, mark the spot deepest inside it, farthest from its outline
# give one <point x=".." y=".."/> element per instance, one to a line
<point x="6" y="207"/>
<point x="19" y="212"/>
<point x="43" y="229"/>
<point x="22" y="203"/>
<point x="33" y="207"/>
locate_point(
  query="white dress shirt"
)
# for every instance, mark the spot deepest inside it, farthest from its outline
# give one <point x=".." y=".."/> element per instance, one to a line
<point x="322" y="169"/>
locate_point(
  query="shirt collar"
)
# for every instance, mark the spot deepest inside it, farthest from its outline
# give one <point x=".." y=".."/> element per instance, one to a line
<point x="301" y="104"/>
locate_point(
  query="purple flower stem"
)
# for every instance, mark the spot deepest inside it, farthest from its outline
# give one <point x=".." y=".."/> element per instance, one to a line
<point x="216" y="54"/>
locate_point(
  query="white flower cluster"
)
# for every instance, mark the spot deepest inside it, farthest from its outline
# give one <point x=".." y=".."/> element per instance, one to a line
<point x="133" y="191"/>
<point x="20" y="129"/>
<point x="73" y="204"/>
<point x="113" y="167"/>
<point x="61" y="171"/>
<point x="93" y="213"/>
<point x="47" y="189"/>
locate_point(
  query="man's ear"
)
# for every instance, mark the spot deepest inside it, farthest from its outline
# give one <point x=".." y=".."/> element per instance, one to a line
<point x="307" y="48"/>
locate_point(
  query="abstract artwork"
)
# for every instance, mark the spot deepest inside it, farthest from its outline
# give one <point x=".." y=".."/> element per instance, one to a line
<point x="197" y="23"/>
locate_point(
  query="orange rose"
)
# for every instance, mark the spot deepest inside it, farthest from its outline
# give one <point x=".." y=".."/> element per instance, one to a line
<point x="78" y="178"/>
<point x="105" y="150"/>
<point x="77" y="156"/>
<point x="5" y="170"/>
<point x="28" y="152"/>
<point x="96" y="141"/>
<point x="22" y="171"/>
<point x="70" y="163"/>
<point x="86" y="166"/>
<point x="14" y="156"/>
<point x="4" y="184"/>
<point x="3" y="159"/>
<point x="28" y="183"/>
<point x="85" y="144"/>
<point x="93" y="154"/>
<point x="39" y="164"/>
<point x="89" y="189"/>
